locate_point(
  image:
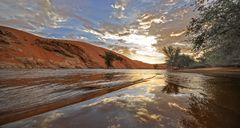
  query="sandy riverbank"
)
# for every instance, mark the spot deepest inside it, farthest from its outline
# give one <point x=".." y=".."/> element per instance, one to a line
<point x="214" y="71"/>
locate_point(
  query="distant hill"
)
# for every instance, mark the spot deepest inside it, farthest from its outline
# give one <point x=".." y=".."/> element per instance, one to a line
<point x="19" y="49"/>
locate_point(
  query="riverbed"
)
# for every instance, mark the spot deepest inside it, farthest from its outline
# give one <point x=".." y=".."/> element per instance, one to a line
<point x="117" y="98"/>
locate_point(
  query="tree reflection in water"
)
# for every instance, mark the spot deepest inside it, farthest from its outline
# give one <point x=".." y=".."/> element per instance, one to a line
<point x="109" y="76"/>
<point x="217" y="108"/>
<point x="172" y="86"/>
<point x="212" y="102"/>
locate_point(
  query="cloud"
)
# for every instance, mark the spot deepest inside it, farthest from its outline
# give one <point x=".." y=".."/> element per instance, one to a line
<point x="49" y="119"/>
<point x="146" y="20"/>
<point x="153" y="59"/>
<point x="49" y="11"/>
<point x="179" y="44"/>
<point x="177" y="34"/>
<point x="138" y="29"/>
<point x="92" y="31"/>
<point x="124" y="50"/>
<point x="141" y="40"/>
<point x="119" y="8"/>
<point x="149" y="29"/>
<point x="32" y="15"/>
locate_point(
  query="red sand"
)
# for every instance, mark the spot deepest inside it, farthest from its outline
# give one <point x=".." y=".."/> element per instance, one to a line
<point x="19" y="49"/>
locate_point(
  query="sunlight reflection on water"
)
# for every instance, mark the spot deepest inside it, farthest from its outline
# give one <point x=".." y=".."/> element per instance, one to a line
<point x="165" y="100"/>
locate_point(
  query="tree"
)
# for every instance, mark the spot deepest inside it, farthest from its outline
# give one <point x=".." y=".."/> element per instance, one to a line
<point x="171" y="54"/>
<point x="110" y="57"/>
<point x="174" y="58"/>
<point x="184" y="61"/>
<point x="216" y="31"/>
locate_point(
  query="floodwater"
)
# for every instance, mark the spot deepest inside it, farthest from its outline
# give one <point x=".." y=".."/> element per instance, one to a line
<point x="117" y="99"/>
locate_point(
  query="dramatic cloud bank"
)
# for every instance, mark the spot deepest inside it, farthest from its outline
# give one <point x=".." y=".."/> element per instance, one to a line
<point x="135" y="28"/>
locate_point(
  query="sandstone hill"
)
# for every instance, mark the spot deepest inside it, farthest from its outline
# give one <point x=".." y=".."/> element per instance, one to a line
<point x="19" y="49"/>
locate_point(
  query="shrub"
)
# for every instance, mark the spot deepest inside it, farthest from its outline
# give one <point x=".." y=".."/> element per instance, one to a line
<point x="110" y="57"/>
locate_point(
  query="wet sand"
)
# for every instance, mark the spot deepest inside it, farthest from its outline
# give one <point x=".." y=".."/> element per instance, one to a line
<point x="214" y="71"/>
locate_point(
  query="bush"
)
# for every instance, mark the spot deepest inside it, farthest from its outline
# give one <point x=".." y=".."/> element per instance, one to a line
<point x="198" y="65"/>
<point x="174" y="58"/>
<point x="183" y="61"/>
<point x="110" y="57"/>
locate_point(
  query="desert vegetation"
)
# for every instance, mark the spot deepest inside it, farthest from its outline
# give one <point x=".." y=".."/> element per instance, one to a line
<point x="215" y="33"/>
<point x="176" y="59"/>
<point x="109" y="57"/>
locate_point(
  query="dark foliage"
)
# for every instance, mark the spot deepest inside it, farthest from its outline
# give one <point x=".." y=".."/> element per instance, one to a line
<point x="110" y="57"/>
<point x="216" y="31"/>
<point x="174" y="58"/>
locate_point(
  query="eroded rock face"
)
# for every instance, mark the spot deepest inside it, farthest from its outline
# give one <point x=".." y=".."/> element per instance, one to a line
<point x="19" y="49"/>
<point x="66" y="50"/>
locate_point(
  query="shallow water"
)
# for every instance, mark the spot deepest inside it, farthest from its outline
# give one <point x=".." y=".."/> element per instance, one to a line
<point x="157" y="98"/>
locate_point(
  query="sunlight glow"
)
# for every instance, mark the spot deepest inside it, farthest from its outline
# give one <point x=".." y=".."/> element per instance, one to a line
<point x="133" y="38"/>
<point x="145" y="51"/>
<point x="148" y="59"/>
<point x="177" y="34"/>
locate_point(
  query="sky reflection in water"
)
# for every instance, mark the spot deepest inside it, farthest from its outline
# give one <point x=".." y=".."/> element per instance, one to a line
<point x="166" y="100"/>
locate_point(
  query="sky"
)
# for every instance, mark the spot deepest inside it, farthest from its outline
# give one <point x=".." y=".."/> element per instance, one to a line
<point x="137" y="29"/>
